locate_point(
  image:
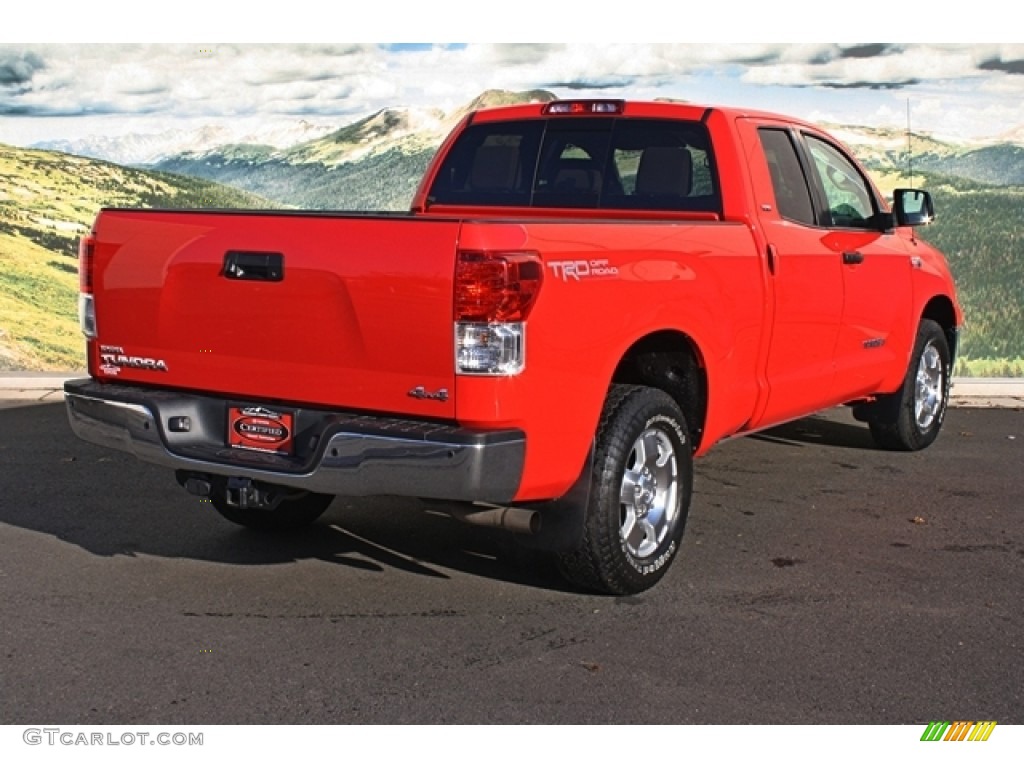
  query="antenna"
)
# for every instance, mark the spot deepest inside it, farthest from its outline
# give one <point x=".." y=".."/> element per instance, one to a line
<point x="910" y="152"/>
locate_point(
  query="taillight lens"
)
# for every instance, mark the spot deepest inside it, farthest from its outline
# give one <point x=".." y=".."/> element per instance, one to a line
<point x="86" y="305"/>
<point x="87" y="315"/>
<point x="86" y="249"/>
<point x="490" y="349"/>
<point x="496" y="287"/>
<point x="494" y="293"/>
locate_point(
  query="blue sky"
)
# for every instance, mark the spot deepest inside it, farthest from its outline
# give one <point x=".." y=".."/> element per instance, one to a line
<point x="65" y="90"/>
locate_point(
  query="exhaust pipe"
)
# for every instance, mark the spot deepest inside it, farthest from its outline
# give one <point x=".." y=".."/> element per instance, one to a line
<point x="515" y="519"/>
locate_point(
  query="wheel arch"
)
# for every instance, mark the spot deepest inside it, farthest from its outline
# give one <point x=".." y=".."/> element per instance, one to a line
<point x="671" y="361"/>
<point x="942" y="310"/>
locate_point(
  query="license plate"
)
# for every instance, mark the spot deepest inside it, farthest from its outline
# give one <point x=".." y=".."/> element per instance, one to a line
<point x="256" y="428"/>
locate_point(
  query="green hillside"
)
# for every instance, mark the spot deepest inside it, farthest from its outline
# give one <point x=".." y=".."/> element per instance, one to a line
<point x="380" y="181"/>
<point x="47" y="201"/>
<point x="1001" y="165"/>
<point x="980" y="229"/>
<point x="38" y="309"/>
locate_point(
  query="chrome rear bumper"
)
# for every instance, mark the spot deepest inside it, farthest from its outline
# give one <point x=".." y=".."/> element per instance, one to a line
<point x="335" y="452"/>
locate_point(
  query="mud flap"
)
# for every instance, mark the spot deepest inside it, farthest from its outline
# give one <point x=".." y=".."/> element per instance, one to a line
<point x="885" y="408"/>
<point x="563" y="520"/>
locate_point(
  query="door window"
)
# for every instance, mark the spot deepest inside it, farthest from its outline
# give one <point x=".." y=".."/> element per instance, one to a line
<point x="792" y="197"/>
<point x="849" y="199"/>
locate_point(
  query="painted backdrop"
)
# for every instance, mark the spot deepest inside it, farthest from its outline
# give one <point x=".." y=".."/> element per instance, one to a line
<point x="353" y="126"/>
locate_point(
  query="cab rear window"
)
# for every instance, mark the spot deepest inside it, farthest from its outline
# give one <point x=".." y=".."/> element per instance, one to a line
<point x="605" y="163"/>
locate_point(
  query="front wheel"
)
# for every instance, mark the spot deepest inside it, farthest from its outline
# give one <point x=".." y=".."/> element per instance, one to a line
<point x="914" y="415"/>
<point x="640" y="496"/>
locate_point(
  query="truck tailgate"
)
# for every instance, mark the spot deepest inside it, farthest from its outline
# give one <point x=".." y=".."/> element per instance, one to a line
<point x="342" y="310"/>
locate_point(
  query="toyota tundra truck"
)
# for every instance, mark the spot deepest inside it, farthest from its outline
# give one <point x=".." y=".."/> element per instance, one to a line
<point x="584" y="297"/>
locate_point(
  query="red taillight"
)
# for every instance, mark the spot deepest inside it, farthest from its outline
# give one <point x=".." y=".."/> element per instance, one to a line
<point x="496" y="287"/>
<point x="86" y="248"/>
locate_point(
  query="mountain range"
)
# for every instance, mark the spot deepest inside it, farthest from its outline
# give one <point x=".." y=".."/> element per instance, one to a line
<point x="376" y="162"/>
<point x="150" y="148"/>
<point x="372" y="164"/>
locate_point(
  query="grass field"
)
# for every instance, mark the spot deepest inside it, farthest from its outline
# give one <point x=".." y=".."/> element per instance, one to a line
<point x="38" y="308"/>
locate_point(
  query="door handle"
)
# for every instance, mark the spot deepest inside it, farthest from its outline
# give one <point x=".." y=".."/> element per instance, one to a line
<point x="253" y="265"/>
<point x="853" y="257"/>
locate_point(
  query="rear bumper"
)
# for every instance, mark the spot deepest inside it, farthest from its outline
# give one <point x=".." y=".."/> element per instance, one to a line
<point x="337" y="453"/>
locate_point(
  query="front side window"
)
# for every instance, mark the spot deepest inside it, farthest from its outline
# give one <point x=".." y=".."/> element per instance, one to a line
<point x="849" y="198"/>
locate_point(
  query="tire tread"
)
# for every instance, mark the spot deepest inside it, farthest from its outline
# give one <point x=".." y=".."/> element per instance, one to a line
<point x="597" y="564"/>
<point x="900" y="432"/>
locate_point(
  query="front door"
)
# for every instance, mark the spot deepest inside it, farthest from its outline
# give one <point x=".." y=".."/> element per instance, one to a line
<point x="876" y="272"/>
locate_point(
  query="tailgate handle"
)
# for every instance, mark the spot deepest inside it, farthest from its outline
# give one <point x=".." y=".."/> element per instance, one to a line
<point x="253" y="265"/>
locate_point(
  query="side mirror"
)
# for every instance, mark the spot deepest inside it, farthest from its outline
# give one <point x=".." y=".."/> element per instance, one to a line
<point x="912" y="207"/>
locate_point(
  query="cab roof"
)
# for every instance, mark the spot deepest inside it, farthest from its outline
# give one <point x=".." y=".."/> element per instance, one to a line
<point x="570" y="108"/>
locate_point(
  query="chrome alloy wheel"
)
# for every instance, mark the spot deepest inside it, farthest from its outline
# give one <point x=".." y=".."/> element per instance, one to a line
<point x="928" y="394"/>
<point x="649" y="492"/>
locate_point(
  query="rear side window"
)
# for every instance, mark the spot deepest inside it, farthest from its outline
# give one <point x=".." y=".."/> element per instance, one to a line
<point x="792" y="196"/>
<point x="606" y="163"/>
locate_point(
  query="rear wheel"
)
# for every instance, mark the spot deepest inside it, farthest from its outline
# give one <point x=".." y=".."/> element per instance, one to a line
<point x="289" y="514"/>
<point x="640" y="495"/>
<point x="916" y="412"/>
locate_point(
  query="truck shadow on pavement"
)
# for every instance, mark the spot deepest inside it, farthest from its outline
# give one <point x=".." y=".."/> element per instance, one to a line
<point x="111" y="504"/>
<point x="820" y="430"/>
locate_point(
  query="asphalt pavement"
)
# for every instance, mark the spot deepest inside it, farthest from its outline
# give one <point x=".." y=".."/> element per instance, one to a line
<point x="820" y="581"/>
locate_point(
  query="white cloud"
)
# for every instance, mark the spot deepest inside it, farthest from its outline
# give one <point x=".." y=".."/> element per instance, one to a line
<point x="220" y="82"/>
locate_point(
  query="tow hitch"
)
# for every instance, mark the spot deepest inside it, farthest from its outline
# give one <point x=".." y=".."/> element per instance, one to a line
<point x="238" y="492"/>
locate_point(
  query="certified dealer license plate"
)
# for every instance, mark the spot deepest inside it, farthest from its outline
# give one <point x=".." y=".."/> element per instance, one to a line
<point x="261" y="429"/>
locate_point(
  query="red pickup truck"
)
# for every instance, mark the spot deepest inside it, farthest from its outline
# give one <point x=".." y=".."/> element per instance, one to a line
<point x="584" y="296"/>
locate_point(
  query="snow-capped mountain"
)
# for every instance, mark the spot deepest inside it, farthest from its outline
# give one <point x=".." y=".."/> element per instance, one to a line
<point x="151" y="148"/>
<point x="372" y="164"/>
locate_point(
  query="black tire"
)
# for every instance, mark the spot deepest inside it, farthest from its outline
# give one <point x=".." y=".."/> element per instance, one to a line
<point x="289" y="514"/>
<point x="627" y="547"/>
<point x="911" y="419"/>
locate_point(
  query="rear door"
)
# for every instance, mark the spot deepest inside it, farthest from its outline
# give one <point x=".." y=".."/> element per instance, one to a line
<point x="804" y="273"/>
<point x="841" y="284"/>
<point x="343" y="311"/>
